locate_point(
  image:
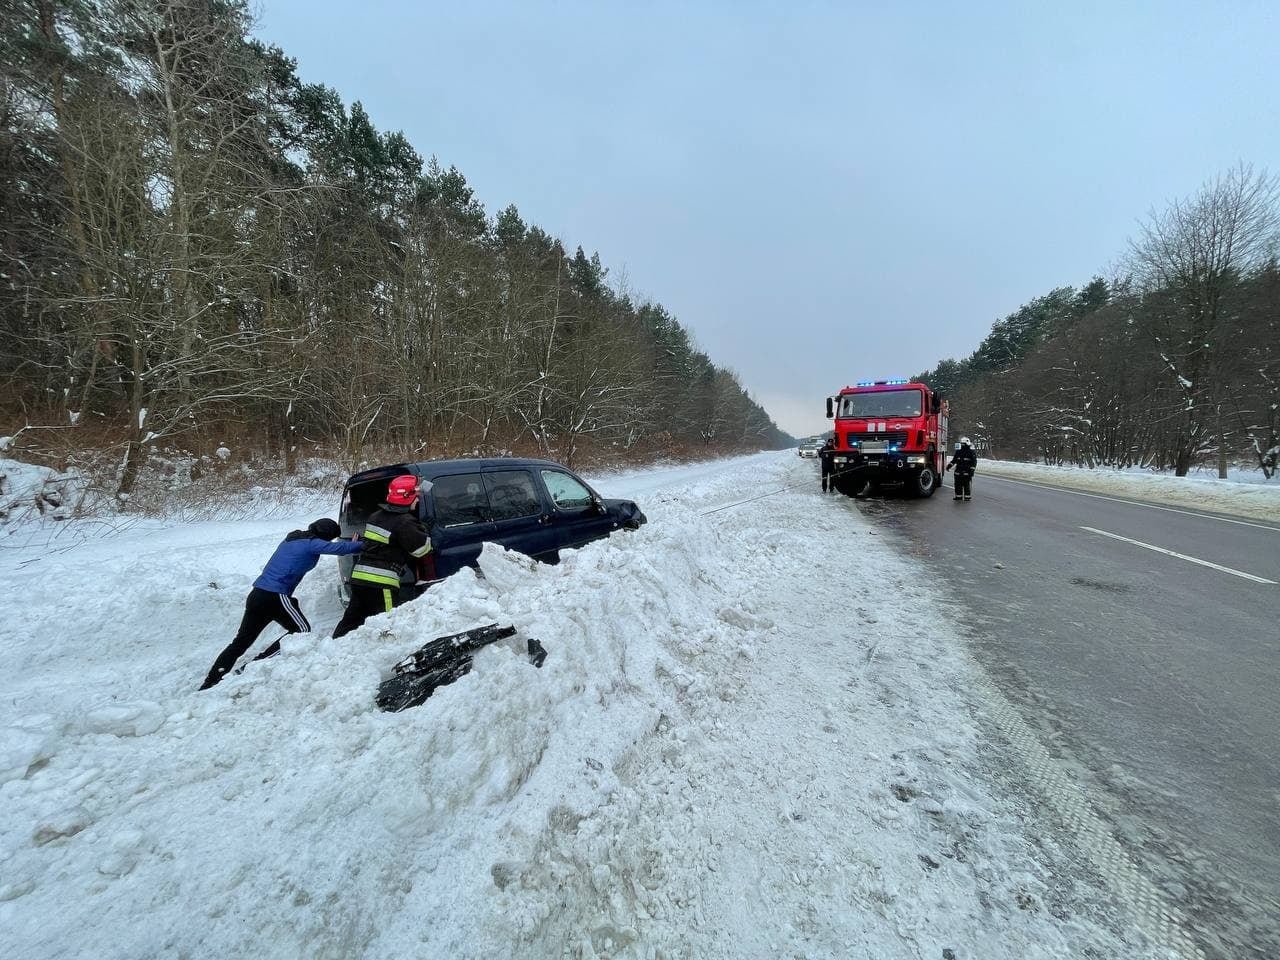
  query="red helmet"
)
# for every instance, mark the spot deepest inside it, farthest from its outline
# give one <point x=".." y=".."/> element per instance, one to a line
<point x="402" y="490"/>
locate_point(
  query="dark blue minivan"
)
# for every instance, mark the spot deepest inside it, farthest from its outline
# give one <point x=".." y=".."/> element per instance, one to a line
<point x="537" y="507"/>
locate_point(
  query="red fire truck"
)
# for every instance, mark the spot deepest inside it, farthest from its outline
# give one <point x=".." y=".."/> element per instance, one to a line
<point x="888" y="432"/>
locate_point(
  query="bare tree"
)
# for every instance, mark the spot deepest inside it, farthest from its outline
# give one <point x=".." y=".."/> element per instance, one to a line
<point x="1188" y="259"/>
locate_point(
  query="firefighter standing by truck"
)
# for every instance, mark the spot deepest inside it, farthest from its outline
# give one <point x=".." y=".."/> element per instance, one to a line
<point x="394" y="540"/>
<point x="825" y="454"/>
<point x="966" y="463"/>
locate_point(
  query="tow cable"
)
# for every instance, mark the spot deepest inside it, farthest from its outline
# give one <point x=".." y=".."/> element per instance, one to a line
<point x="790" y="486"/>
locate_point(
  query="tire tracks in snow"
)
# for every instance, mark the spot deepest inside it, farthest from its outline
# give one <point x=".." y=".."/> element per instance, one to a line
<point x="1155" y="915"/>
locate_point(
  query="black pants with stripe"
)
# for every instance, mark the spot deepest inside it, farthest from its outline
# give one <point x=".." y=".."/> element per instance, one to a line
<point x="365" y="602"/>
<point x="964" y="484"/>
<point x="260" y="608"/>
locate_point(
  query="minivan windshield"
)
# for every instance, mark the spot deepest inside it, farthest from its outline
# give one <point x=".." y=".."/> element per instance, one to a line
<point x="882" y="403"/>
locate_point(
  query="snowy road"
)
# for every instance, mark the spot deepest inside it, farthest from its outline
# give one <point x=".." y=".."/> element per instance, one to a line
<point x="757" y="735"/>
<point x="1142" y="640"/>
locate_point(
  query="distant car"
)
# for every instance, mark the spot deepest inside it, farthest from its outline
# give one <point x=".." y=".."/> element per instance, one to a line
<point x="810" y="447"/>
<point x="537" y="507"/>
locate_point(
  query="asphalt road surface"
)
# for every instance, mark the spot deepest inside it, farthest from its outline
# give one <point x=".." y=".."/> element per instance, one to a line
<point x="1143" y="643"/>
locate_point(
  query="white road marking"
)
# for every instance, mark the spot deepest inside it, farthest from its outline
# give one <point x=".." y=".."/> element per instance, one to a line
<point x="1132" y="503"/>
<point x="1181" y="556"/>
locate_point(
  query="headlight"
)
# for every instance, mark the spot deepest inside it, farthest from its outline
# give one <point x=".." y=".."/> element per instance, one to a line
<point x="920" y="460"/>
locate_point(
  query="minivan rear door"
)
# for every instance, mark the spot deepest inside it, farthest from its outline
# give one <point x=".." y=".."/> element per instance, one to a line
<point x="460" y="511"/>
<point x="361" y="496"/>
<point x="521" y="516"/>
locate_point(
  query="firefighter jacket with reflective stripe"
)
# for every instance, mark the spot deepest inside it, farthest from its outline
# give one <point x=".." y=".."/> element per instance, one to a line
<point x="965" y="461"/>
<point x="393" y="539"/>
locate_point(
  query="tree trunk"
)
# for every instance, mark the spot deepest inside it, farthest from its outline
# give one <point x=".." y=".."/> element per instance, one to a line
<point x="138" y="414"/>
<point x="1182" y="462"/>
<point x="180" y="214"/>
<point x="1222" y="448"/>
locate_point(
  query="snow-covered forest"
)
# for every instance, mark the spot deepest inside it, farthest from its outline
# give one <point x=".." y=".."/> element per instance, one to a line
<point x="1172" y="362"/>
<point x="200" y="248"/>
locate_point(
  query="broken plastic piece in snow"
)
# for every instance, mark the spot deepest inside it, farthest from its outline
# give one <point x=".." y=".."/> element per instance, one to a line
<point x="440" y="662"/>
<point x="537" y="653"/>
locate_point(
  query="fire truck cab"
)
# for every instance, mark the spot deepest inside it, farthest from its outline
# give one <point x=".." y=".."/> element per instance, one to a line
<point x="888" y="432"/>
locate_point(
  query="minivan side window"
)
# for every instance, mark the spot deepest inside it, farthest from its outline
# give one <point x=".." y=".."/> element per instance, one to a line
<point x="511" y="494"/>
<point x="567" y="492"/>
<point x="460" y="499"/>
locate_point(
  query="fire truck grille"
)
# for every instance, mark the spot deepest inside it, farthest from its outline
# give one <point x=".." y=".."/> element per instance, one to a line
<point x="896" y="437"/>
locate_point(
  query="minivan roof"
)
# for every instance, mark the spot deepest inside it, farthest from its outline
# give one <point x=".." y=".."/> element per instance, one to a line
<point x="432" y="469"/>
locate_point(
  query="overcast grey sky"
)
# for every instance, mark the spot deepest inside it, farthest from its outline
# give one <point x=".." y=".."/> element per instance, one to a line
<point x="821" y="192"/>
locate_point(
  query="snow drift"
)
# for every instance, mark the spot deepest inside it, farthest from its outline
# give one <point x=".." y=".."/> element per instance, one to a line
<point x="1257" y="498"/>
<point x="745" y="743"/>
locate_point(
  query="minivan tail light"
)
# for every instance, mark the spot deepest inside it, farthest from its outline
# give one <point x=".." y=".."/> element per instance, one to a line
<point x="427" y="568"/>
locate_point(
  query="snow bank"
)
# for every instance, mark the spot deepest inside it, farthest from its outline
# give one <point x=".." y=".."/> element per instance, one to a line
<point x="30" y="492"/>
<point x="746" y="742"/>
<point x="1260" y="501"/>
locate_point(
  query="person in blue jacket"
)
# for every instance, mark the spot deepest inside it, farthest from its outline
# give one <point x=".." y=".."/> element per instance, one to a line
<point x="271" y="598"/>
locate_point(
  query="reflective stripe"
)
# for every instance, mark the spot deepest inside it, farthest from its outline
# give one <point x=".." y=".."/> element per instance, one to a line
<point x="422" y="551"/>
<point x="376" y="534"/>
<point x="295" y="612"/>
<point x="386" y="600"/>
<point x="374" y="575"/>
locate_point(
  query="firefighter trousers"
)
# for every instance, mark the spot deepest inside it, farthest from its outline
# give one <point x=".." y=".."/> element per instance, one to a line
<point x="364" y="603"/>
<point x="261" y="607"/>
<point x="964" y="484"/>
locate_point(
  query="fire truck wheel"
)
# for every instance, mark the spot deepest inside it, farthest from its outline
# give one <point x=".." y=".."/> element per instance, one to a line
<point x="924" y="485"/>
<point x="861" y="489"/>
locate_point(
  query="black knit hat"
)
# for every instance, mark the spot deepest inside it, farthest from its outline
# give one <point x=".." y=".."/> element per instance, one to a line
<point x="325" y="529"/>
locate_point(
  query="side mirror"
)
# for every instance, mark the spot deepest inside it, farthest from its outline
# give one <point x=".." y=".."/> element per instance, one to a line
<point x="830" y="412"/>
<point x="937" y="403"/>
<point x="598" y="506"/>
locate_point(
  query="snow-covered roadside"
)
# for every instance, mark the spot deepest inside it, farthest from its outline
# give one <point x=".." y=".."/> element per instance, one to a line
<point x="749" y="740"/>
<point x="1261" y="501"/>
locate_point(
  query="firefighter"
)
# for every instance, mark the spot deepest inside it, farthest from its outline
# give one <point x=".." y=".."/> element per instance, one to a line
<point x="825" y="455"/>
<point x="272" y="595"/>
<point x="966" y="463"/>
<point x="394" y="540"/>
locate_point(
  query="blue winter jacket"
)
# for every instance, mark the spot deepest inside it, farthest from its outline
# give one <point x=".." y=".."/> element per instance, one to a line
<point x="296" y="557"/>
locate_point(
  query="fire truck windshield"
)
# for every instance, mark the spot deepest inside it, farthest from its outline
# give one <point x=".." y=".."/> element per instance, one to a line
<point x="881" y="403"/>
